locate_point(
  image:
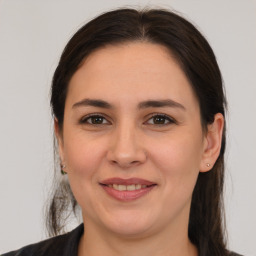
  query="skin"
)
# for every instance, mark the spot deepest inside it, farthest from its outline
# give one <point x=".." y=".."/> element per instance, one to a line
<point x="128" y="142"/>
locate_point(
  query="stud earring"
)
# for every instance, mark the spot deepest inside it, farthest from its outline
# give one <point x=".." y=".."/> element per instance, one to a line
<point x="208" y="165"/>
<point x="62" y="166"/>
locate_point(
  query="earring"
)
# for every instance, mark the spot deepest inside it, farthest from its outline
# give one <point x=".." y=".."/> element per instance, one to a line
<point x="208" y="165"/>
<point x="62" y="166"/>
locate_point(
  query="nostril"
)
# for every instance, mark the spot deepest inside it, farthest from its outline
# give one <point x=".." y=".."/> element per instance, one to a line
<point x="135" y="162"/>
<point x="113" y="161"/>
<point x="124" y="163"/>
<point x="126" y="157"/>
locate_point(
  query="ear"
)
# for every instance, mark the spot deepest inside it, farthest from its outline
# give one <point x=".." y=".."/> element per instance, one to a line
<point x="59" y="137"/>
<point x="212" y="143"/>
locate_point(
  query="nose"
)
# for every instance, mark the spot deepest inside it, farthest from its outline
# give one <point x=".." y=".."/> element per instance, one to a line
<point x="126" y="149"/>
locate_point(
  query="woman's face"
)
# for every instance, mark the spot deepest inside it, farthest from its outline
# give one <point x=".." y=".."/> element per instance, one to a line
<point x="132" y="140"/>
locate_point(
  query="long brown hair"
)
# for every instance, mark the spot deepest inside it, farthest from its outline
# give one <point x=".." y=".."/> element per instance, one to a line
<point x="197" y="60"/>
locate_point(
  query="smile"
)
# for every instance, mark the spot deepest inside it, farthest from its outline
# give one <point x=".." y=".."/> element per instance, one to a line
<point x="132" y="187"/>
<point x="127" y="189"/>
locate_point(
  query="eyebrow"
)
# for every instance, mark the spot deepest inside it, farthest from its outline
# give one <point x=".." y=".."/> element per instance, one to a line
<point x="160" y="103"/>
<point x="93" y="103"/>
<point x="142" y="105"/>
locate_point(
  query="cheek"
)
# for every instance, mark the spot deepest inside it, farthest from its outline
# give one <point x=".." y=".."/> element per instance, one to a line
<point x="83" y="157"/>
<point x="178" y="153"/>
<point x="178" y="160"/>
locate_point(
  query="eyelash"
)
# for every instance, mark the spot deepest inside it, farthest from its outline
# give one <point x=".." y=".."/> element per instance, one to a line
<point x="85" y="119"/>
<point x="166" y="117"/>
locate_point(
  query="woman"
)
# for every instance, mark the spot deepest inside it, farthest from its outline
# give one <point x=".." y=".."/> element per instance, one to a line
<point x="139" y="115"/>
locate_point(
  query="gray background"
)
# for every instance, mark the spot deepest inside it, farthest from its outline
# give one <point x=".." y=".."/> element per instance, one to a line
<point x="32" y="36"/>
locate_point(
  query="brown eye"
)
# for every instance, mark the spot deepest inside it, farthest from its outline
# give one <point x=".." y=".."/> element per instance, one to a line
<point x="160" y="120"/>
<point x="95" y="120"/>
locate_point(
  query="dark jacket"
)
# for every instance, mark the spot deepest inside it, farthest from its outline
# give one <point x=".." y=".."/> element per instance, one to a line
<point x="63" y="245"/>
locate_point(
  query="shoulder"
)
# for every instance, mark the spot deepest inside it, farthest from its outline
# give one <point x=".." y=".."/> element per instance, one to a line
<point x="234" y="254"/>
<point x="63" y="245"/>
<point x="47" y="247"/>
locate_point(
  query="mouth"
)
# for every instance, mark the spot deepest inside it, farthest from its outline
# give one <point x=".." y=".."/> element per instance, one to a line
<point x="121" y="187"/>
<point x="127" y="189"/>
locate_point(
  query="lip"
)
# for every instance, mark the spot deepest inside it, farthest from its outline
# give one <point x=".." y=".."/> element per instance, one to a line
<point x="126" y="182"/>
<point x="127" y="195"/>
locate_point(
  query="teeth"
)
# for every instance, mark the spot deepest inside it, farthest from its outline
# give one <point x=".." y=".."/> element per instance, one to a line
<point x="138" y="186"/>
<point x="128" y="187"/>
<point x="115" y="186"/>
<point x="122" y="187"/>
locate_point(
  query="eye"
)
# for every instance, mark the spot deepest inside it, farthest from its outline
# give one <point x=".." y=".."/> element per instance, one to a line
<point x="94" y="120"/>
<point x="160" y="119"/>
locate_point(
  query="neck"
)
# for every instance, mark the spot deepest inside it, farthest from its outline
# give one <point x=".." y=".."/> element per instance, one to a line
<point x="97" y="242"/>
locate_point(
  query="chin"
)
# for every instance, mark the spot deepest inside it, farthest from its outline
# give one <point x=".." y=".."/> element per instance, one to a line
<point x="131" y="231"/>
<point x="129" y="225"/>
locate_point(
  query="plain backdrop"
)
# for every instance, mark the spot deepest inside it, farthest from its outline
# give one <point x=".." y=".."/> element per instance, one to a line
<point x="32" y="36"/>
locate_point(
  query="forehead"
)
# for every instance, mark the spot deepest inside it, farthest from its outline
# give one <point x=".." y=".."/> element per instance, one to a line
<point x="130" y="57"/>
<point x="136" y="69"/>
